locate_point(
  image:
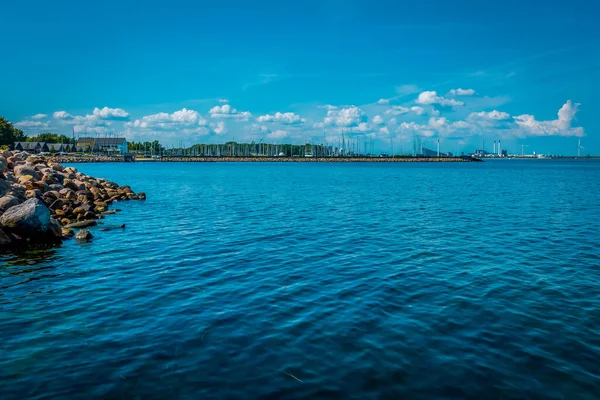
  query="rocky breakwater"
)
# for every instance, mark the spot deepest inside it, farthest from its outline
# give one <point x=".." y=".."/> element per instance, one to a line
<point x="42" y="202"/>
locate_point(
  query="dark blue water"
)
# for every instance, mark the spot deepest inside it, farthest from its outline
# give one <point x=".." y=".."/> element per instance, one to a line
<point x="316" y="281"/>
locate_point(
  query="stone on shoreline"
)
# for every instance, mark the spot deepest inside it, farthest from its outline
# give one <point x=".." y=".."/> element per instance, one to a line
<point x="30" y="219"/>
<point x="83" y="236"/>
<point x="82" y="224"/>
<point x="41" y="201"/>
<point x="8" y="201"/>
<point x="67" y="233"/>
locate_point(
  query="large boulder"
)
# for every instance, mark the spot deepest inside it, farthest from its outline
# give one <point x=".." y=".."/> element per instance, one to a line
<point x="26" y="169"/>
<point x="21" y="155"/>
<point x="34" y="159"/>
<point x="29" y="218"/>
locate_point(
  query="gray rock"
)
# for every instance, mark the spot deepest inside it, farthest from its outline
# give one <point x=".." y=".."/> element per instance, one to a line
<point x="29" y="218"/>
<point x="57" y="167"/>
<point x="8" y="201"/>
<point x="5" y="186"/>
<point x="83" y="236"/>
<point x="26" y="169"/>
<point x="82" y="224"/>
<point x="34" y="159"/>
<point x="21" y="155"/>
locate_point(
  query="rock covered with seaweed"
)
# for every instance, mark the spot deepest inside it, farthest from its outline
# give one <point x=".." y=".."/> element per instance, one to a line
<point x="41" y="201"/>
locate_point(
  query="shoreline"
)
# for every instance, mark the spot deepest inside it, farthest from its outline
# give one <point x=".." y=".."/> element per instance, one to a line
<point x="42" y="202"/>
<point x="99" y="159"/>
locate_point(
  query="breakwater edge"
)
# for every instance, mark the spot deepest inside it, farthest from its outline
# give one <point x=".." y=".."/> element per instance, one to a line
<point x="43" y="203"/>
<point x="96" y="159"/>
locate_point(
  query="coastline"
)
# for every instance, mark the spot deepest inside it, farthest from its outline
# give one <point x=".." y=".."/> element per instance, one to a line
<point x="42" y="202"/>
<point x="70" y="160"/>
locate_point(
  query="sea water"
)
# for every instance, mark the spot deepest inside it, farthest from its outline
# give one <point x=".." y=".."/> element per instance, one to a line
<point x="313" y="280"/>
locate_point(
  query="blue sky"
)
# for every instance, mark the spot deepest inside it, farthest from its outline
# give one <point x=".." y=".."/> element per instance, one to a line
<point x="199" y="72"/>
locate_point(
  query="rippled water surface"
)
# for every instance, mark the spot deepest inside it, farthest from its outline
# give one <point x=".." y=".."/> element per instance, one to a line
<point x="317" y="281"/>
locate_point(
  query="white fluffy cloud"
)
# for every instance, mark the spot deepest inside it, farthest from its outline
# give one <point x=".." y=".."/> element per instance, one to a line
<point x="100" y="117"/>
<point x="257" y="128"/>
<point x="39" y="116"/>
<point x="345" y="117"/>
<point x="431" y="97"/>
<point x="383" y="101"/>
<point x="219" y="128"/>
<point x="492" y="115"/>
<point x="29" y="125"/>
<point x="363" y="127"/>
<point x="183" y="118"/>
<point x="106" y="113"/>
<point x="288" y="118"/>
<point x="397" y="110"/>
<point x="226" y="111"/>
<point x="62" y="115"/>
<point x="377" y="120"/>
<point x="417" y="110"/>
<point x="278" y="134"/>
<point x="559" y="127"/>
<point x="437" y="123"/>
<point x="223" y="101"/>
<point x="461" y="92"/>
<point x="410" y="127"/>
<point x="566" y="114"/>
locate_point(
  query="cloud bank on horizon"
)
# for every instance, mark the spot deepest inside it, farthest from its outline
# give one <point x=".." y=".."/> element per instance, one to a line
<point x="427" y="114"/>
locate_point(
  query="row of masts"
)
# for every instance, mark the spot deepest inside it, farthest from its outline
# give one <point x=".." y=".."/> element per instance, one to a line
<point x="346" y="147"/>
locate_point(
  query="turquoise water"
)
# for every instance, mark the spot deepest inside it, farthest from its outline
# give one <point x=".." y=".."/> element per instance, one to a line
<point x="366" y="281"/>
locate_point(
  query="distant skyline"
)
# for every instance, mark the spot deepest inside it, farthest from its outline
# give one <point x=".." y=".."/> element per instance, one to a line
<point x="524" y="72"/>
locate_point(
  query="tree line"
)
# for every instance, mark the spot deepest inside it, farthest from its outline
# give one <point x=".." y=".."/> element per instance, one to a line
<point x="9" y="134"/>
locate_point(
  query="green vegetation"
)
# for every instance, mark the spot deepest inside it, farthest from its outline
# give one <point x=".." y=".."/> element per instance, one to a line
<point x="51" y="138"/>
<point x="153" y="147"/>
<point x="9" y="134"/>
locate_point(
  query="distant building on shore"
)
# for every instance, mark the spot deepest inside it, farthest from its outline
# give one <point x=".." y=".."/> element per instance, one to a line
<point x="110" y="145"/>
<point x="44" y="147"/>
<point x="31" y="147"/>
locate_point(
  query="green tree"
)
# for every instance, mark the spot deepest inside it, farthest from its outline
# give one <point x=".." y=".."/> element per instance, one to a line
<point x="9" y="134"/>
<point x="151" y="147"/>
<point x="51" y="138"/>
